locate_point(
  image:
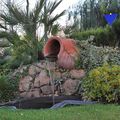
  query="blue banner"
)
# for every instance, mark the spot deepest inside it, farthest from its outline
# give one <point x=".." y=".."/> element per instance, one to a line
<point x="110" y="18"/>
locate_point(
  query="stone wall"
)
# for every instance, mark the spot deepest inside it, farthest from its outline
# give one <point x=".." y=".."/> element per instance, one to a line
<point x="46" y="78"/>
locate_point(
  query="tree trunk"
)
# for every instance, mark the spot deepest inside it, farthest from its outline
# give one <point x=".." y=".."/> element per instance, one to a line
<point x="45" y="22"/>
<point x="27" y="7"/>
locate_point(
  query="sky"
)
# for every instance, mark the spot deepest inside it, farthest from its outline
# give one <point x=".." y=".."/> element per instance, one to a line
<point x="63" y="6"/>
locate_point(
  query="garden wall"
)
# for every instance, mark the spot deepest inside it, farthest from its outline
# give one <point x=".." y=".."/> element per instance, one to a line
<point x="41" y="76"/>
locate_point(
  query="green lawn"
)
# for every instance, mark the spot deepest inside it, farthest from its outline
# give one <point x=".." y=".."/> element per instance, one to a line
<point x="84" y="112"/>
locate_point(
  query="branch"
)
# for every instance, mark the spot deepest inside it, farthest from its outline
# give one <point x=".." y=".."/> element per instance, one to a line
<point x="27" y="7"/>
<point x="4" y="27"/>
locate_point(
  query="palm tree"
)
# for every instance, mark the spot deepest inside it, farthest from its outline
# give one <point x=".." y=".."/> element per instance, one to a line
<point x="48" y="19"/>
<point x="29" y="21"/>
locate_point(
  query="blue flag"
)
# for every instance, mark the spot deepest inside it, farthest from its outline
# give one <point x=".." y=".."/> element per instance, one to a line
<point x="110" y="18"/>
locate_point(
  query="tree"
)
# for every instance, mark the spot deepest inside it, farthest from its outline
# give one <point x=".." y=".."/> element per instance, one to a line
<point x="48" y="19"/>
<point x="91" y="12"/>
<point x="29" y="21"/>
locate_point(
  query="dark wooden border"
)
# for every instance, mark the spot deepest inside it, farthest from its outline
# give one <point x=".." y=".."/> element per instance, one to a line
<point x="40" y="102"/>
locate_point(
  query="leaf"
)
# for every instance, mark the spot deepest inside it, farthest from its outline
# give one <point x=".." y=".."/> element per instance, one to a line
<point x="38" y="9"/>
<point x="52" y="20"/>
<point x="4" y="27"/>
<point x="8" y="19"/>
<point x="17" y="13"/>
<point x="52" y="6"/>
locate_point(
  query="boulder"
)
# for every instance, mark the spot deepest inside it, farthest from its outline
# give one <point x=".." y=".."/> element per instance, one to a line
<point x="42" y="64"/>
<point x="77" y="74"/>
<point x="24" y="83"/>
<point x="57" y="75"/>
<point x="46" y="90"/>
<point x="31" y="93"/>
<point x="50" y="65"/>
<point x="69" y="86"/>
<point x="33" y="69"/>
<point x="41" y="79"/>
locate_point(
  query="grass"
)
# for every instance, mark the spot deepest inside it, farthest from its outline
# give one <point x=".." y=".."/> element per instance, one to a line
<point x="84" y="112"/>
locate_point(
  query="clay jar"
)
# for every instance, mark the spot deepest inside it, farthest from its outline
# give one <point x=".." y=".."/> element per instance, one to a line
<point x="64" y="49"/>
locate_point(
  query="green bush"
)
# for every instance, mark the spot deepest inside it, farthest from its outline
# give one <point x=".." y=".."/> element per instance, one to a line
<point x="92" y="56"/>
<point x="107" y="36"/>
<point x="102" y="84"/>
<point x="8" y="87"/>
<point x="100" y="37"/>
<point x="116" y="29"/>
<point x="83" y="35"/>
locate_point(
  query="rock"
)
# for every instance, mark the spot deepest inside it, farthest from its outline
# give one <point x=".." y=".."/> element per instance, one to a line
<point x="57" y="75"/>
<point x="66" y="81"/>
<point x="56" y="93"/>
<point x="70" y="86"/>
<point x="46" y="90"/>
<point x="50" y="66"/>
<point x="34" y="70"/>
<point x="44" y="79"/>
<point x="23" y="94"/>
<point x="77" y="74"/>
<point x="24" y="83"/>
<point x="21" y="69"/>
<point x="42" y="64"/>
<point x="43" y="73"/>
<point x="41" y="82"/>
<point x="41" y="79"/>
<point x="46" y="65"/>
<point x="31" y="93"/>
<point x="34" y="93"/>
<point x="37" y="81"/>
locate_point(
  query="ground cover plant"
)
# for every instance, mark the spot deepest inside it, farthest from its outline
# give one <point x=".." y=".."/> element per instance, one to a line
<point x="102" y="84"/>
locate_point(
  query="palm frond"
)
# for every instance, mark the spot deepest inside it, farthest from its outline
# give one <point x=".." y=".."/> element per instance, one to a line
<point x="52" y="6"/>
<point x="4" y="27"/>
<point x="17" y="13"/>
<point x="9" y="19"/>
<point x="52" y="20"/>
<point x="4" y="34"/>
<point x="12" y="37"/>
<point x="38" y="8"/>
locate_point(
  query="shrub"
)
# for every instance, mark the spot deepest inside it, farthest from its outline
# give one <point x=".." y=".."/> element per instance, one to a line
<point x="107" y="36"/>
<point x="102" y="84"/>
<point x="92" y="56"/>
<point x="8" y="87"/>
<point x="83" y="35"/>
<point x="116" y="29"/>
